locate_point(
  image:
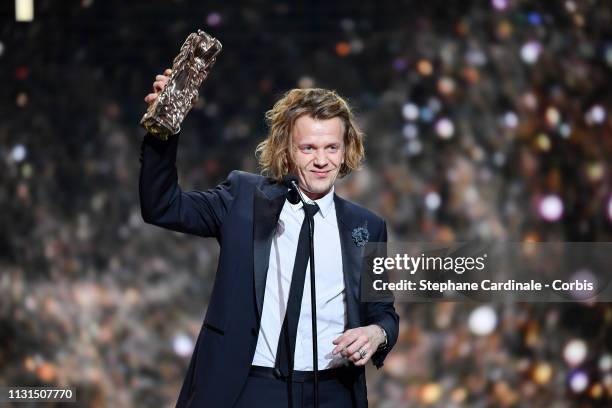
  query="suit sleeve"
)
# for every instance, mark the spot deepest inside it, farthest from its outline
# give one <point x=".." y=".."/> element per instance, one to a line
<point x="384" y="315"/>
<point x="163" y="203"/>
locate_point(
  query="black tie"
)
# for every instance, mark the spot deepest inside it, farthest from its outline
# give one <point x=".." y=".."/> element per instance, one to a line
<point x="286" y="341"/>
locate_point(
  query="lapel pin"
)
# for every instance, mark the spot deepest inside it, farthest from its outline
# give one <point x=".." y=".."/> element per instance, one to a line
<point x="360" y="236"/>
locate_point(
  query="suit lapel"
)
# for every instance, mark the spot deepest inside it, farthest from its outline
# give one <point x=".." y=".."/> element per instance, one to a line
<point x="351" y="260"/>
<point x="267" y="205"/>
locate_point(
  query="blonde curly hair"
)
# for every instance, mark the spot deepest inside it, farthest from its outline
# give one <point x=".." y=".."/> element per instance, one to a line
<point x="274" y="153"/>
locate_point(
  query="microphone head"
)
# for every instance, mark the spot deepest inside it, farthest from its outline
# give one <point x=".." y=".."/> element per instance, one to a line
<point x="289" y="179"/>
<point x="293" y="195"/>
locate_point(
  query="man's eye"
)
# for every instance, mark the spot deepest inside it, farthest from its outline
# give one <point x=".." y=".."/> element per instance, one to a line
<point x="307" y="149"/>
<point x="333" y="148"/>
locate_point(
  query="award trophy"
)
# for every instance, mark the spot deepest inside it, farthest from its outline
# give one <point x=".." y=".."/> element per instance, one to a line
<point x="189" y="69"/>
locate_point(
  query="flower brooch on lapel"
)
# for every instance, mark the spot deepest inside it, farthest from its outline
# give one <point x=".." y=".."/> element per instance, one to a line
<point x="360" y="236"/>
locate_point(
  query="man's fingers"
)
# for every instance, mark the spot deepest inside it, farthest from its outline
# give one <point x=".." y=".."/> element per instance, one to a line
<point x="355" y="357"/>
<point x="150" y="97"/>
<point x="158" y="86"/>
<point x="343" y="341"/>
<point x="362" y="355"/>
<point x="362" y="361"/>
<point x="351" y="342"/>
<point x="163" y="79"/>
<point x="361" y="341"/>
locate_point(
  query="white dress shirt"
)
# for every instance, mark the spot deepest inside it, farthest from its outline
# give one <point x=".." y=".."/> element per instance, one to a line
<point x="331" y="305"/>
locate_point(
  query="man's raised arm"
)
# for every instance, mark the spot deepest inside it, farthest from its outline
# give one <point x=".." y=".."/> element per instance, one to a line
<point x="162" y="202"/>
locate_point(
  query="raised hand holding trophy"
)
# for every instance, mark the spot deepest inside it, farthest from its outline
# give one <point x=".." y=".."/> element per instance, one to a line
<point x="189" y="69"/>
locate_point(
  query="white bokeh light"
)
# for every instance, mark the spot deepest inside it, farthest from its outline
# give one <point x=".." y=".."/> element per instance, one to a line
<point x="574" y="352"/>
<point x="410" y="111"/>
<point x="605" y="362"/>
<point x="432" y="200"/>
<point x="499" y="4"/>
<point x="551" y="208"/>
<point x="596" y="115"/>
<point x="18" y="153"/>
<point x="530" y="52"/>
<point x="182" y="345"/>
<point x="482" y="320"/>
<point x="565" y="130"/>
<point x="510" y="120"/>
<point x="445" y="128"/>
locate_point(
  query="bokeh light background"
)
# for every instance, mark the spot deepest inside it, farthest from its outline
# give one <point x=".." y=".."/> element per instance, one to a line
<point x="484" y="119"/>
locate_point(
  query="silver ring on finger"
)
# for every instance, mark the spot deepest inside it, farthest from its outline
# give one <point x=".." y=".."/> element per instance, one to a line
<point x="363" y="352"/>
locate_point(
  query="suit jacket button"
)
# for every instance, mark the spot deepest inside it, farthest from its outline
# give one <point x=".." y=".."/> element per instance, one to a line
<point x="253" y="331"/>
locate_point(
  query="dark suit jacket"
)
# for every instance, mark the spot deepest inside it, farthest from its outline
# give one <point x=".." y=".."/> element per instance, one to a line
<point x="241" y="213"/>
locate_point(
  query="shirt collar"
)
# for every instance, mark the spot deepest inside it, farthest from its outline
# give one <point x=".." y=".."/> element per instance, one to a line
<point x="325" y="203"/>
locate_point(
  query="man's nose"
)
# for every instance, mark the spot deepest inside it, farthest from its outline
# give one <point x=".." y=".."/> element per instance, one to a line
<point x="320" y="159"/>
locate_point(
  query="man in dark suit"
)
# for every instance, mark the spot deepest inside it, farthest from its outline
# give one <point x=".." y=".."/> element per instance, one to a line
<point x="240" y="358"/>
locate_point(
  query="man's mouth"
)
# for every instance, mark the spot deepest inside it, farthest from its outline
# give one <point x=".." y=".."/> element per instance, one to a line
<point x="320" y="174"/>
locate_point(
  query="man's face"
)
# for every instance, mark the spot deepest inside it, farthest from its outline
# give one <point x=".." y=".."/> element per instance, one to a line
<point x="318" y="153"/>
